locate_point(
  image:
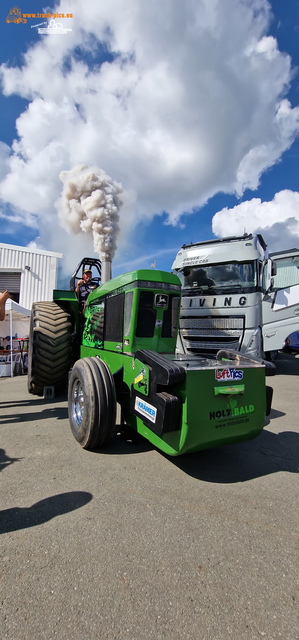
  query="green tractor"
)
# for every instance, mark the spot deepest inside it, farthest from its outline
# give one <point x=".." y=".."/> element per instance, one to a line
<point x="125" y="352"/>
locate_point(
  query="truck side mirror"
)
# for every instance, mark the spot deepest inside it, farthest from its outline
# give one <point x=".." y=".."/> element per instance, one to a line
<point x="271" y="286"/>
<point x="273" y="269"/>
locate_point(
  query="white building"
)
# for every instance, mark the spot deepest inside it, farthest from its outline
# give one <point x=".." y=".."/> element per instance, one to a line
<point x="30" y="275"/>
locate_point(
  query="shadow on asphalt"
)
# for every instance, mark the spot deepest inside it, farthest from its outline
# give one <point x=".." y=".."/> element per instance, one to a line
<point x="274" y="414"/>
<point x="5" y="460"/>
<point x="42" y="511"/>
<point x="51" y="410"/>
<point x="32" y="401"/>
<point x="269" y="453"/>
<point x="126" y="443"/>
<point x="60" y="413"/>
<point x="287" y="364"/>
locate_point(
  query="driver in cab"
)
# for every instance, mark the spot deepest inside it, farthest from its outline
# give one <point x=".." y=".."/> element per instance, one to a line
<point x="83" y="289"/>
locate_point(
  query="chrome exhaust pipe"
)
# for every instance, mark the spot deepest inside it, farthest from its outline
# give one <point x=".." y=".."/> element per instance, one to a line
<point x="106" y="271"/>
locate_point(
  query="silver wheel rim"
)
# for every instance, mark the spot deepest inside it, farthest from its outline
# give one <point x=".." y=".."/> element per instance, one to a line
<point x="77" y="403"/>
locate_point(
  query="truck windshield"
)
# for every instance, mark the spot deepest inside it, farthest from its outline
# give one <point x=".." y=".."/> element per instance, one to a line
<point x="220" y="277"/>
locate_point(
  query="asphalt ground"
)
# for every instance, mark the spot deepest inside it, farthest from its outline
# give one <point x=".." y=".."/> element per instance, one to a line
<point x="129" y="543"/>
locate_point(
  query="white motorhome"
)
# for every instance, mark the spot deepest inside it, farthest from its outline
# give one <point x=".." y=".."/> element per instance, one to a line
<point x="235" y="295"/>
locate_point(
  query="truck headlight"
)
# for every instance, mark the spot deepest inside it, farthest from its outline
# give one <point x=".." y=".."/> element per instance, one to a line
<point x="254" y="347"/>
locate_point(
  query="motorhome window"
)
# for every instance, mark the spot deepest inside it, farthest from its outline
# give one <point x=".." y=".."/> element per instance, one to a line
<point x="287" y="272"/>
<point x="217" y="276"/>
<point x="146" y="319"/>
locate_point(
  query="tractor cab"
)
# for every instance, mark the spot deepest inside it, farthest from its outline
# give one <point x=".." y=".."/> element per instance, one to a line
<point x="138" y="310"/>
<point x="69" y="300"/>
<point x="94" y="264"/>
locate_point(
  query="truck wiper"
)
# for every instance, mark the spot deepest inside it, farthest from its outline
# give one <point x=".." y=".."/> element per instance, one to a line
<point x="232" y="287"/>
<point x="193" y="290"/>
<point x="200" y="290"/>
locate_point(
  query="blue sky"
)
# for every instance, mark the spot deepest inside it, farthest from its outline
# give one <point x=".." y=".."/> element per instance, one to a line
<point x="192" y="107"/>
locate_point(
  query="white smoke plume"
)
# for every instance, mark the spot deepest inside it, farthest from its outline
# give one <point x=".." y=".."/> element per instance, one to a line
<point x="90" y="203"/>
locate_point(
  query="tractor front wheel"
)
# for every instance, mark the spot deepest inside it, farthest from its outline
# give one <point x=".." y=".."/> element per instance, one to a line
<point x="92" y="403"/>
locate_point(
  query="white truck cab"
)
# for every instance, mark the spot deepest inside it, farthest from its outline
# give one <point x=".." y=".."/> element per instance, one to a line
<point x="237" y="296"/>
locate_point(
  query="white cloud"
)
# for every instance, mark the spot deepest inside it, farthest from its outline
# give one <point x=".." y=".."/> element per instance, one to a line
<point x="277" y="220"/>
<point x="194" y="102"/>
<point x="19" y="218"/>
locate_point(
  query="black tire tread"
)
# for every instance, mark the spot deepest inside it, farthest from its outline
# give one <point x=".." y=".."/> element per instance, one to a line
<point x="49" y="347"/>
<point x="100" y="430"/>
<point x="51" y="343"/>
<point x="54" y="356"/>
<point x="99" y="415"/>
<point x="111" y="397"/>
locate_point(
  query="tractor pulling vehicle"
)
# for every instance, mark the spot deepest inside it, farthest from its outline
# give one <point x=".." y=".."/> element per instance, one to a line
<point x="125" y="353"/>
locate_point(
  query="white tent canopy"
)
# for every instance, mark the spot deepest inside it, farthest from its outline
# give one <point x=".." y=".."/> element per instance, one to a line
<point x="17" y="319"/>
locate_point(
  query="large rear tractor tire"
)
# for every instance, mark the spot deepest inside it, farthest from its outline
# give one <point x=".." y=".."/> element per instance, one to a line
<point x="49" y="347"/>
<point x="92" y="403"/>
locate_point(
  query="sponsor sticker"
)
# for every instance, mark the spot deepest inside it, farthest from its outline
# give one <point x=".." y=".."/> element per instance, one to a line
<point x="191" y="260"/>
<point x="146" y="409"/>
<point x="223" y="375"/>
<point x="232" y="416"/>
<point x="231" y="412"/>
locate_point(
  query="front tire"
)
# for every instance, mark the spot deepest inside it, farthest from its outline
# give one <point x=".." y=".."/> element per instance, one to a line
<point x="49" y="347"/>
<point x="92" y="403"/>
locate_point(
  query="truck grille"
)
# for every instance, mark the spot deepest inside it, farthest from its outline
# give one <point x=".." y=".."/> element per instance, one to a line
<point x="208" y="335"/>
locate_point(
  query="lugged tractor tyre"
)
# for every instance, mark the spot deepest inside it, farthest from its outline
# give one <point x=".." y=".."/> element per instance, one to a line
<point x="92" y="403"/>
<point x="111" y="401"/>
<point x="49" y="353"/>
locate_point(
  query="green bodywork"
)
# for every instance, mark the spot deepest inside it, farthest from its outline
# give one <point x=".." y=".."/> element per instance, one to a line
<point x="69" y="301"/>
<point x="209" y="419"/>
<point x="218" y="402"/>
